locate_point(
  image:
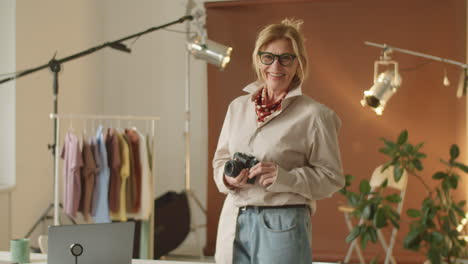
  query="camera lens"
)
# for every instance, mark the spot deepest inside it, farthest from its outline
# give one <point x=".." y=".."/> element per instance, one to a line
<point x="233" y="168"/>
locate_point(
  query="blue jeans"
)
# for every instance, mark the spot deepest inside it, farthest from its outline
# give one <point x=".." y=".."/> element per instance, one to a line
<point x="273" y="235"/>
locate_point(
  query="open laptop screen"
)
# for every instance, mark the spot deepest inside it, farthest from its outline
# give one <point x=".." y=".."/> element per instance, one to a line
<point x="91" y="243"/>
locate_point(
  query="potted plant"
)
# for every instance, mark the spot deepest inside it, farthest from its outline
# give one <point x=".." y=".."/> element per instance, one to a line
<point x="434" y="226"/>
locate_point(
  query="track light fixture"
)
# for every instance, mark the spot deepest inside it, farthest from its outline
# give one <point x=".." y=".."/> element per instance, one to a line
<point x="210" y="51"/>
<point x="387" y="82"/>
<point x="200" y="46"/>
<point x="462" y="83"/>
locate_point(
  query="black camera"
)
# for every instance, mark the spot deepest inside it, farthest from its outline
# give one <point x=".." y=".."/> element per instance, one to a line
<point x="240" y="161"/>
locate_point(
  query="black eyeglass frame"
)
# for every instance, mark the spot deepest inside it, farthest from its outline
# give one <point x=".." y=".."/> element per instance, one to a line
<point x="260" y="53"/>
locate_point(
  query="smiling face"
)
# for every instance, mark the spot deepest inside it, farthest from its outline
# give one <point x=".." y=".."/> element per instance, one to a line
<point x="278" y="77"/>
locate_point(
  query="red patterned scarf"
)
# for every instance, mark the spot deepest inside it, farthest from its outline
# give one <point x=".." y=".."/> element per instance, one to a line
<point x="264" y="110"/>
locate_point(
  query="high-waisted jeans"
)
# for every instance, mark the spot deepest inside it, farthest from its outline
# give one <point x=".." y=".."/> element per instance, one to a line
<point x="273" y="236"/>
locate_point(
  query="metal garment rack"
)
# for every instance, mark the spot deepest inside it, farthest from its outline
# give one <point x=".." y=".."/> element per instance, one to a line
<point x="58" y="117"/>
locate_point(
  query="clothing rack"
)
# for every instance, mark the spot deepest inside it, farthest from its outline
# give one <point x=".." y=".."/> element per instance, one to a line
<point x="59" y="117"/>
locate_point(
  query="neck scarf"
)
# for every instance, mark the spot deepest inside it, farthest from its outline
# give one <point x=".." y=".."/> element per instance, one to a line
<point x="264" y="110"/>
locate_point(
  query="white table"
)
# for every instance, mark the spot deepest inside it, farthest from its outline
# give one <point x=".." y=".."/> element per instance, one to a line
<point x="42" y="259"/>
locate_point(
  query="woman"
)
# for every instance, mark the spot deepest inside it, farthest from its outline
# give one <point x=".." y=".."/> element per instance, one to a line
<point x="295" y="140"/>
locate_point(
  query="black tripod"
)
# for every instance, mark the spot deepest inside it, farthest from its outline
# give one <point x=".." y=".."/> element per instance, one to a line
<point x="55" y="66"/>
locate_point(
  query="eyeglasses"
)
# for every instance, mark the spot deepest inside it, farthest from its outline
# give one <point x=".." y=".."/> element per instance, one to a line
<point x="268" y="58"/>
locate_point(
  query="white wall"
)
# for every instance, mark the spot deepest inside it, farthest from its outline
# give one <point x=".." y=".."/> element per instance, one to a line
<point x="7" y="114"/>
<point x="7" y="93"/>
<point x="43" y="28"/>
<point x="149" y="81"/>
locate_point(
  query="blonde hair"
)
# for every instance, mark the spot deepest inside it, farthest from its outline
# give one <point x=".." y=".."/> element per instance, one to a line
<point x="288" y="29"/>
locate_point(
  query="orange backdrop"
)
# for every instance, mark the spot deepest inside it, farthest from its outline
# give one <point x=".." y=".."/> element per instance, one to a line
<point x="341" y="69"/>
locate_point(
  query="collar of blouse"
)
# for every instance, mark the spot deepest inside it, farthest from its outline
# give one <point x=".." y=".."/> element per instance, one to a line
<point x="255" y="87"/>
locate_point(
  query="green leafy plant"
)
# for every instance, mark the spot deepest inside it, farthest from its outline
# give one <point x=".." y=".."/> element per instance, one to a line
<point x="433" y="229"/>
<point x="374" y="208"/>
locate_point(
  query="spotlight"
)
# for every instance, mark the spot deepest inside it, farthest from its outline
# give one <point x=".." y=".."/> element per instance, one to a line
<point x="385" y="85"/>
<point x="388" y="82"/>
<point x="210" y="51"/>
<point x="462" y="83"/>
<point x="200" y="46"/>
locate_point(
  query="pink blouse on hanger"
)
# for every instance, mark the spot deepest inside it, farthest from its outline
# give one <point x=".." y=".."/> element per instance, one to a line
<point x="71" y="154"/>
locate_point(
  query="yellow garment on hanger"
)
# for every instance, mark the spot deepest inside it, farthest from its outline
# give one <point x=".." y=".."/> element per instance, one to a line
<point x="121" y="214"/>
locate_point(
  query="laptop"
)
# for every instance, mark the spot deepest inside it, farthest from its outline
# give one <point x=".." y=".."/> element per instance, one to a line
<point x="91" y="243"/>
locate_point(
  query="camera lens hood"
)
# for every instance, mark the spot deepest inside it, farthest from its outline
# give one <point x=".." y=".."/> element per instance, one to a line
<point x="232" y="168"/>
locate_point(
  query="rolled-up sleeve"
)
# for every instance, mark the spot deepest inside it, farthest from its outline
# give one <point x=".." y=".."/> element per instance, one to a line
<point x="323" y="175"/>
<point x="222" y="155"/>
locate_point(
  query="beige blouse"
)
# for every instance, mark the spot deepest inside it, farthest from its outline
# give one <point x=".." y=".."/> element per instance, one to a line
<point x="301" y="138"/>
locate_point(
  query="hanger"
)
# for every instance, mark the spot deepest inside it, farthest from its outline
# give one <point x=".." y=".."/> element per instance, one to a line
<point x="93" y="125"/>
<point x="84" y="133"/>
<point x="129" y="123"/>
<point x="70" y="126"/>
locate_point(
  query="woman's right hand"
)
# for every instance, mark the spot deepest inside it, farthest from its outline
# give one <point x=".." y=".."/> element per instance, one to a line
<point x="239" y="181"/>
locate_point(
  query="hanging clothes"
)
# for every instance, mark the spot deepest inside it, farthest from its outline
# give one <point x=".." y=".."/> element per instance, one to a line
<point x="135" y="143"/>
<point x="147" y="193"/>
<point x="88" y="176"/>
<point x="149" y="150"/>
<point x="88" y="183"/>
<point x="131" y="194"/>
<point x="101" y="199"/>
<point x="144" y="194"/>
<point x="98" y="161"/>
<point x="147" y="187"/>
<point x="73" y="162"/>
<point x="114" y="159"/>
<point x="124" y="174"/>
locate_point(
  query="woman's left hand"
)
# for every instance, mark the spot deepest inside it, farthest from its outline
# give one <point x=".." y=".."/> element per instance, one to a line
<point x="266" y="171"/>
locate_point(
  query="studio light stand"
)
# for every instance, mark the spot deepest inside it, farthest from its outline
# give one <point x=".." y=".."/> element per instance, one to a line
<point x="214" y="53"/>
<point x="188" y="190"/>
<point x="55" y="66"/>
